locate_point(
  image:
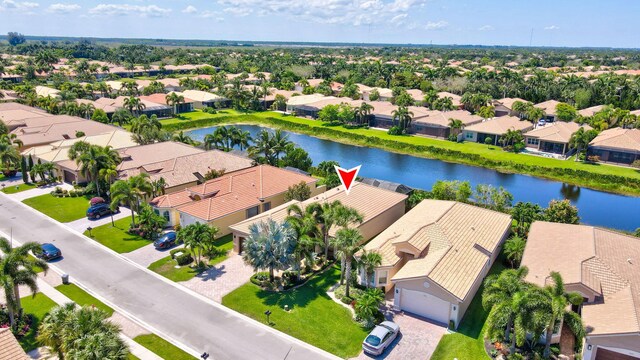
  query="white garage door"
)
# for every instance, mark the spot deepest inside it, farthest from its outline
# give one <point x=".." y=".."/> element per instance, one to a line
<point x="423" y="304"/>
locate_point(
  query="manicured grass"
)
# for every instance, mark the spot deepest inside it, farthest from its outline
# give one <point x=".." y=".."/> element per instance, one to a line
<point x="83" y="298"/>
<point x="38" y="307"/>
<point x="63" y="209"/>
<point x="22" y="187"/>
<point x="162" y="348"/>
<point x="132" y="357"/>
<point x="314" y="317"/>
<point x="468" y="341"/>
<point x="166" y="266"/>
<point x="116" y="237"/>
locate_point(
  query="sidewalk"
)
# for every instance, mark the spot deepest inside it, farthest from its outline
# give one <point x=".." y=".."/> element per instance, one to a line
<point x="39" y="191"/>
<point x="148" y="254"/>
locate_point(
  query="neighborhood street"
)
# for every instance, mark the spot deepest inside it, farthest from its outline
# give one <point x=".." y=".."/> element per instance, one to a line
<point x="170" y="311"/>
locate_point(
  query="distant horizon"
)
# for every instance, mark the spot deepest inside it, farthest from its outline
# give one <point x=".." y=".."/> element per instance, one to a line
<point x="158" y="41"/>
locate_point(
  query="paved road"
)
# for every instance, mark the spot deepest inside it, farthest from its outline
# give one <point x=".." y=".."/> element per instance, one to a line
<point x="184" y="317"/>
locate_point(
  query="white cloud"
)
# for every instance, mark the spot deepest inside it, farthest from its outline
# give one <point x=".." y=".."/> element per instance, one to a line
<point x="12" y="5"/>
<point x="208" y="14"/>
<point x="63" y="8"/>
<point x="552" y="27"/>
<point x="399" y="19"/>
<point x="190" y="9"/>
<point x="126" y="9"/>
<point x="486" y="28"/>
<point x="238" y="11"/>
<point x="437" y="25"/>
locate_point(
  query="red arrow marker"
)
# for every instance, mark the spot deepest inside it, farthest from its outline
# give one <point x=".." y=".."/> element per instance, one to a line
<point x="347" y="176"/>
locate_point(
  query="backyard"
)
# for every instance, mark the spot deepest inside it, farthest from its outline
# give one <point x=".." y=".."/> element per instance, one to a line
<point x="62" y="209"/>
<point x="167" y="266"/>
<point x="313" y="316"/>
<point x="116" y="237"/>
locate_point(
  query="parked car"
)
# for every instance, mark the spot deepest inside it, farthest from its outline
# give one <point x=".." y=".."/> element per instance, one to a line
<point x="48" y="252"/>
<point x="380" y="338"/>
<point x="99" y="210"/>
<point x="542" y="122"/>
<point x="167" y="240"/>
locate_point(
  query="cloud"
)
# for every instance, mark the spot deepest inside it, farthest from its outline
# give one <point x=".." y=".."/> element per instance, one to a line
<point x="238" y="11"/>
<point x="208" y="14"/>
<point x="12" y="5"/>
<point x="552" y="27"/>
<point x="398" y="19"/>
<point x="63" y="8"/>
<point x="486" y="28"/>
<point x="438" y="25"/>
<point x="126" y="9"/>
<point x="190" y="9"/>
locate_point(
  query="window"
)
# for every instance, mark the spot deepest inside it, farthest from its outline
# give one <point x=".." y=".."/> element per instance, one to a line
<point x="382" y="276"/>
<point x="251" y="212"/>
<point x="533" y="141"/>
<point x="166" y="215"/>
<point x="266" y="206"/>
<point x="468" y="135"/>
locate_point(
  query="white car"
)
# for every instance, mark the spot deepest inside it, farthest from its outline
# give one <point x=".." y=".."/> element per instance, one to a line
<point x="380" y="338"/>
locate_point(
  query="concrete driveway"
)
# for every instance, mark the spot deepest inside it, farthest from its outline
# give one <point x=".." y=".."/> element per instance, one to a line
<point x="81" y="225"/>
<point x="418" y="337"/>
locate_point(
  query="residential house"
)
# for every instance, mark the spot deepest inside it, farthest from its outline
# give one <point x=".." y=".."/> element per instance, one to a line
<point x="186" y="106"/>
<point x="617" y="145"/>
<point x="417" y="95"/>
<point x="504" y="106"/>
<point x="298" y="102"/>
<point x="104" y="106"/>
<point x="231" y="198"/>
<point x="8" y="96"/>
<point x="203" y="99"/>
<point x="456" y="99"/>
<point x="590" y="111"/>
<point x="379" y="208"/>
<point x="495" y="128"/>
<point x="384" y="93"/>
<point x="13" y="114"/>
<point x="435" y="257"/>
<point x="549" y="108"/>
<point x="602" y="266"/>
<point x="10" y="349"/>
<point x="436" y="123"/>
<point x="150" y="108"/>
<point x="553" y="137"/>
<point x="45" y="91"/>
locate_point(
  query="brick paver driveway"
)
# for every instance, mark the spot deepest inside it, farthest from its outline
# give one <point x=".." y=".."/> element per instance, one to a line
<point x="418" y="338"/>
<point x="221" y="279"/>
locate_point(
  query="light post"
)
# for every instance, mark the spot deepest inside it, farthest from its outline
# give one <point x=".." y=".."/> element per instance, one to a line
<point x="89" y="228"/>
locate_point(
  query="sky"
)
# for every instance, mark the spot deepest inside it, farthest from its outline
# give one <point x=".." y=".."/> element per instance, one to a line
<point x="573" y="23"/>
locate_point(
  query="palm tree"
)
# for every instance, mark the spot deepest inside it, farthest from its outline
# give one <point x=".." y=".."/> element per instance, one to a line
<point x="364" y="111"/>
<point x="369" y="261"/>
<point x="514" y="249"/>
<point x="242" y="138"/>
<point x="121" y="117"/>
<point x="369" y="304"/>
<point x="95" y="158"/>
<point x="307" y="234"/>
<point x="17" y="269"/>
<point x="560" y="300"/>
<point x="48" y="168"/>
<point x="197" y="237"/>
<point x="403" y="116"/>
<point x="330" y="214"/>
<point x="173" y="100"/>
<point x="270" y="245"/>
<point x="499" y="296"/>
<point x="108" y="174"/>
<point x="9" y="156"/>
<point x="181" y="137"/>
<point x="134" y="105"/>
<point x="580" y="141"/>
<point x="456" y="125"/>
<point x="347" y="241"/>
<point x="52" y="330"/>
<point x="279" y="103"/>
<point x="130" y="192"/>
<point x="267" y="148"/>
<point x="158" y="186"/>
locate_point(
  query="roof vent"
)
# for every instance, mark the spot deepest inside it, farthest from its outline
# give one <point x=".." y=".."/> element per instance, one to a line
<point x="473" y="228"/>
<point x="630" y="261"/>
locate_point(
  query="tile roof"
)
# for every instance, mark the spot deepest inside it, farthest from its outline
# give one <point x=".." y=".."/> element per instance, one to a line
<point x="10" y="349"/>
<point x="603" y="260"/>
<point x="618" y="138"/>
<point x="369" y="200"/>
<point x="137" y="156"/>
<point x="441" y="118"/>
<point x="306" y="99"/>
<point x="458" y="238"/>
<point x="46" y="91"/>
<point x="162" y="98"/>
<point x="44" y="130"/>
<point x="455" y="99"/>
<point x="233" y="191"/>
<point x="548" y="106"/>
<point x="508" y="102"/>
<point x="591" y="110"/>
<point x="557" y="131"/>
<point x="198" y="95"/>
<point x="500" y="125"/>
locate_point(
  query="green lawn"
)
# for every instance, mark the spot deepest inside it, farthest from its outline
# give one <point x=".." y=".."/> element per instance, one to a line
<point x="468" y="341"/>
<point x="116" y="238"/>
<point x="63" y="209"/>
<point x="162" y="348"/>
<point x="314" y="317"/>
<point x="166" y="266"/>
<point x="38" y="306"/>
<point x="21" y="187"/>
<point x="83" y="298"/>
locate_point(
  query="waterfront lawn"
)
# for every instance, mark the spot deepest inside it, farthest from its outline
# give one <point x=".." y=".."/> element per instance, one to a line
<point x="62" y="209"/>
<point x="162" y="348"/>
<point x="37" y="307"/>
<point x="116" y="237"/>
<point x="20" y="188"/>
<point x="167" y="266"/>
<point x="83" y="298"/>
<point x="313" y="316"/>
<point x="468" y="341"/>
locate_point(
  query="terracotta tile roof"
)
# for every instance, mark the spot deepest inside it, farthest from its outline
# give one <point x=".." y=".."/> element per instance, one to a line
<point x="137" y="156"/>
<point x="603" y="260"/>
<point x="557" y="131"/>
<point x="455" y="99"/>
<point x="9" y="347"/>
<point x="500" y="125"/>
<point x="459" y="239"/>
<point x="548" y="106"/>
<point x="98" y="105"/>
<point x="369" y="200"/>
<point x="416" y="94"/>
<point x="198" y="95"/>
<point x="162" y="98"/>
<point x="618" y="138"/>
<point x="12" y="113"/>
<point x="44" y="130"/>
<point x="235" y="191"/>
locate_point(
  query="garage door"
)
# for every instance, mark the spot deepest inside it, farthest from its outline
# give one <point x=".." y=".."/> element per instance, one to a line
<point x="424" y="304"/>
<point x="604" y="354"/>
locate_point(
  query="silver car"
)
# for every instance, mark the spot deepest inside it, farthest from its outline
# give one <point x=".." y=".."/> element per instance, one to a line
<point x="380" y="338"/>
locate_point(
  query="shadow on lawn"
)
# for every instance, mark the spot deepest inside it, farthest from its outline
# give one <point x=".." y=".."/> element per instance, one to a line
<point x="302" y="296"/>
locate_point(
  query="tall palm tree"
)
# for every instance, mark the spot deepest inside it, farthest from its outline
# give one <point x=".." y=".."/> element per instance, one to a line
<point x="9" y="156"/>
<point x="364" y="111"/>
<point x="514" y="249"/>
<point x="560" y="300"/>
<point x="134" y="105"/>
<point x="18" y="268"/>
<point x="198" y="237"/>
<point x="130" y="192"/>
<point x="173" y="100"/>
<point x="456" y="125"/>
<point x="403" y="116"/>
<point x="95" y="158"/>
<point x="52" y="330"/>
<point x="108" y="174"/>
<point x="347" y="241"/>
<point x="307" y="234"/>
<point x="242" y="138"/>
<point x="369" y="261"/>
<point x="269" y="246"/>
<point x="181" y="137"/>
<point x="580" y="141"/>
<point x="330" y="214"/>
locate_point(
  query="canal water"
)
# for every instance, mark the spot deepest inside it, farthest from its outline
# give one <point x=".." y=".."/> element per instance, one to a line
<point x="596" y="207"/>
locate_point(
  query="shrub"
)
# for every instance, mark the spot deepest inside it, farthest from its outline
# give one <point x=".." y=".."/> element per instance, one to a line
<point x="593" y="158"/>
<point x="175" y="251"/>
<point x="260" y="278"/>
<point x="488" y="140"/>
<point x="184" y="259"/>
<point x="636" y="164"/>
<point x="453" y="138"/>
<point x="395" y="130"/>
<point x="347" y="300"/>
